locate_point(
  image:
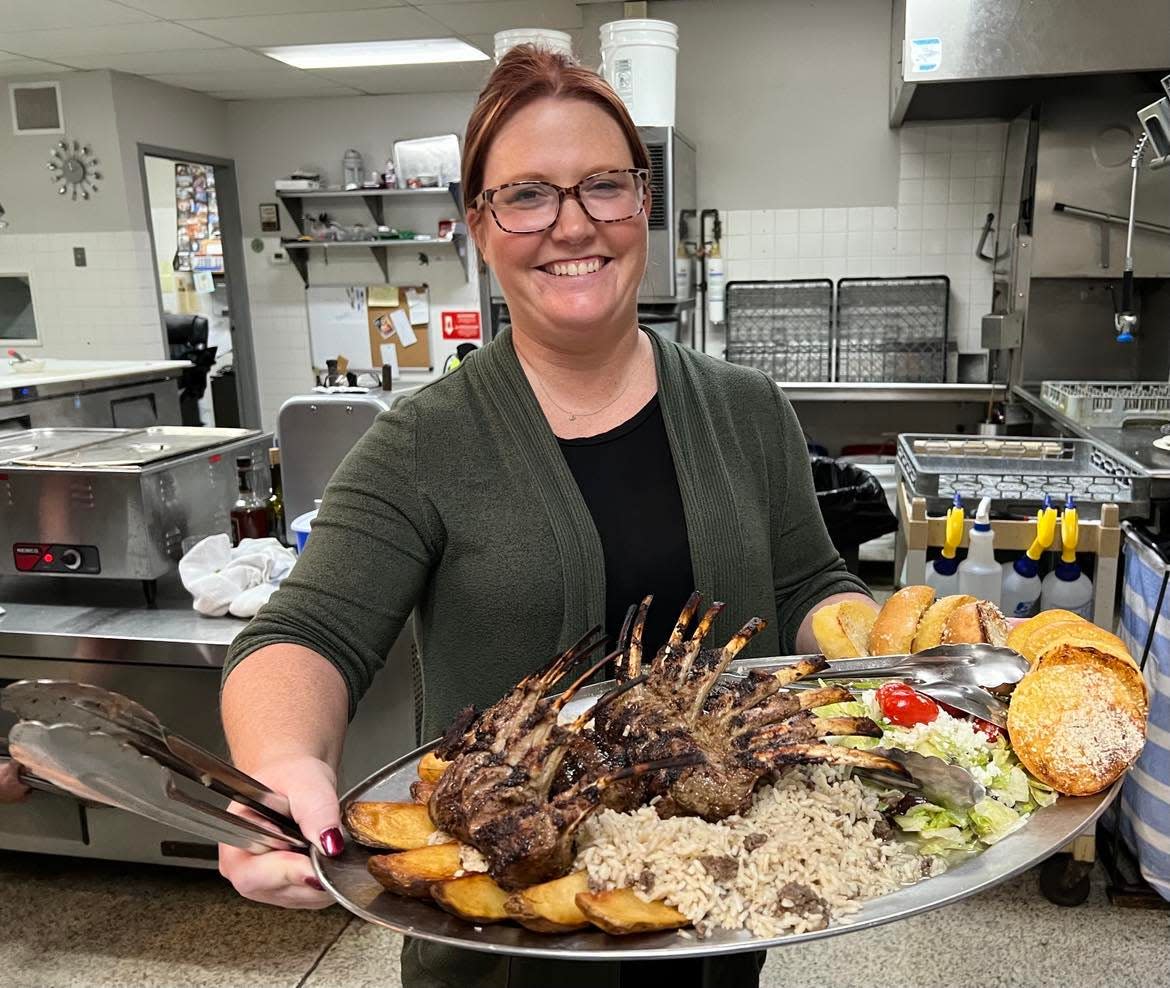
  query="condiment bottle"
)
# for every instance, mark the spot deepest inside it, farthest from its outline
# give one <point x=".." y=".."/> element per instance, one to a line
<point x="249" y="514"/>
<point x="1021" y="578"/>
<point x="943" y="573"/>
<point x="276" y="526"/>
<point x="979" y="574"/>
<point x="1066" y="586"/>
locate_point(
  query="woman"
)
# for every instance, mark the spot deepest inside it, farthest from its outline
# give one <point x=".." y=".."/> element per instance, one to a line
<point x="571" y="466"/>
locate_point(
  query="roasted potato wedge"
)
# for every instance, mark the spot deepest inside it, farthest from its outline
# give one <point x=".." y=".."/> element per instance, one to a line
<point x="431" y="767"/>
<point x="421" y="791"/>
<point x="414" y="872"/>
<point x="394" y="826"/>
<point x="550" y="907"/>
<point x="475" y="898"/>
<point x="621" y="911"/>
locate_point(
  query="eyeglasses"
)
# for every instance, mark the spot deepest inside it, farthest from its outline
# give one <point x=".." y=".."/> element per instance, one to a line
<point x="530" y="207"/>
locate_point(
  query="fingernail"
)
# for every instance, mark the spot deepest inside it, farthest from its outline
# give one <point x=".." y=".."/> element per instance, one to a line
<point x="312" y="882"/>
<point x="331" y="842"/>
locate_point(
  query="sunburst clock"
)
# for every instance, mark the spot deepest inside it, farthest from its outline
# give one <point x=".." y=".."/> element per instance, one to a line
<point x="74" y="169"/>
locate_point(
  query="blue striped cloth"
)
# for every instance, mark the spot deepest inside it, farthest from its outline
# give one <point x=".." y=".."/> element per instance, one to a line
<point x="1144" y="817"/>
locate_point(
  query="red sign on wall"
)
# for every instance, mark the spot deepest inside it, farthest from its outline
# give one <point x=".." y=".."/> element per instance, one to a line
<point x="461" y="326"/>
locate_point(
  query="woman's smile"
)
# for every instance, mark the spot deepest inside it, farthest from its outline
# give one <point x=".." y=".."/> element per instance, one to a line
<point x="575" y="267"/>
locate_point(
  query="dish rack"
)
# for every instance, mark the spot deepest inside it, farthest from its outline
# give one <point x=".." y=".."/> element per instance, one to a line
<point x="892" y="329"/>
<point x="1017" y="473"/>
<point x="1108" y="403"/>
<point x="783" y="328"/>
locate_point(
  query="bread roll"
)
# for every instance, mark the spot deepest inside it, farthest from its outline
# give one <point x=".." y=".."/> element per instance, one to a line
<point x="842" y="629"/>
<point x="1038" y="641"/>
<point x="930" y="628"/>
<point x="1076" y="721"/>
<point x="897" y="622"/>
<point x="976" y="623"/>
<point x="1022" y="633"/>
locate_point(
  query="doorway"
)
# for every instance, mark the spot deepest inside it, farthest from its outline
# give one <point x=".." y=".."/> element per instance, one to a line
<point x="193" y="218"/>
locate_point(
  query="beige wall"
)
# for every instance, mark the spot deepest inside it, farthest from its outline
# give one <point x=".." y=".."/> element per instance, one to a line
<point x="31" y="199"/>
<point x="786" y="100"/>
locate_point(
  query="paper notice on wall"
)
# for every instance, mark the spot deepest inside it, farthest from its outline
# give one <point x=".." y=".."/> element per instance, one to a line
<point x="417" y="306"/>
<point x="401" y="321"/>
<point x="204" y="285"/>
<point x="383" y="297"/>
<point x="390" y="356"/>
<point x="925" y="54"/>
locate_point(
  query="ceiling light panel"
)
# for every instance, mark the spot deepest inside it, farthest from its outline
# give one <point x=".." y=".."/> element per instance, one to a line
<point x="362" y="54"/>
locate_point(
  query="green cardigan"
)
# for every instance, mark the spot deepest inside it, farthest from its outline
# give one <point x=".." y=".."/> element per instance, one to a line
<point x="458" y="503"/>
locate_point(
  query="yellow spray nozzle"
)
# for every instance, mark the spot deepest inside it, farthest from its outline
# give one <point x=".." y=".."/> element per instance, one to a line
<point x="1069" y="533"/>
<point x="1045" y="533"/>
<point x="954" y="532"/>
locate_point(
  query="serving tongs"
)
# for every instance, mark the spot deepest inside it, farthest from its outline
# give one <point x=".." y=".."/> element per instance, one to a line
<point x="94" y="709"/>
<point x="103" y="768"/>
<point x="969" y="678"/>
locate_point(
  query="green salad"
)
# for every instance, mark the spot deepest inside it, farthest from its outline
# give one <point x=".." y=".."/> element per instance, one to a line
<point x="923" y="726"/>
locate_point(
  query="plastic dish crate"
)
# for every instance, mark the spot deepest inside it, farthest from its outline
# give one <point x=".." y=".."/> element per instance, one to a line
<point x="1017" y="473"/>
<point x="781" y="327"/>
<point x="892" y="329"/>
<point x="1108" y="403"/>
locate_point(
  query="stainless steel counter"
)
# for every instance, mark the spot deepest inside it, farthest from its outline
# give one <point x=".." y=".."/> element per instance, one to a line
<point x="871" y="391"/>
<point x="1135" y="445"/>
<point x="100" y="621"/>
<point x="169" y="659"/>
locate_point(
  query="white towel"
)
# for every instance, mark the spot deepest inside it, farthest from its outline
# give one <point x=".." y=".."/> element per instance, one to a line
<point x="234" y="580"/>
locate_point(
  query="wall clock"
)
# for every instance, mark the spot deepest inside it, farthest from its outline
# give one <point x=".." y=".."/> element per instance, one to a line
<point x="74" y="169"/>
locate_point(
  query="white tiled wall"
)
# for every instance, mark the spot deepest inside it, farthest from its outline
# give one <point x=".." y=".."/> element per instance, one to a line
<point x="107" y="310"/>
<point x="949" y="180"/>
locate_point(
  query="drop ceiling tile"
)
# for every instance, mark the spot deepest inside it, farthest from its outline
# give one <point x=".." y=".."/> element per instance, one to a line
<point x="322" y="27"/>
<point x="203" y="60"/>
<point x="282" y="93"/>
<point x="31" y="15"/>
<point x="13" y="68"/>
<point x="243" y="79"/>
<point x="178" y="10"/>
<point x="502" y="15"/>
<point x="458" y="77"/>
<point x="149" y="36"/>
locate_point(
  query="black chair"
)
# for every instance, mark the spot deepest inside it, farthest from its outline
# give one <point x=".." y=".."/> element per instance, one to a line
<point x="187" y="340"/>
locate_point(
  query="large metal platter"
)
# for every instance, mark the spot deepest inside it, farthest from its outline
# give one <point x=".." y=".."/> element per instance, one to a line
<point x="347" y="879"/>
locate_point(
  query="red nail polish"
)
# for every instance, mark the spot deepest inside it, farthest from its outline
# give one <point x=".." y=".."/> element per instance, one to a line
<point x="331" y="842"/>
<point x="312" y="882"/>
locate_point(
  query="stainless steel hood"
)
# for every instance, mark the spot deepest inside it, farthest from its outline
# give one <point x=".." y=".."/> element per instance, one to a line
<point x="981" y="58"/>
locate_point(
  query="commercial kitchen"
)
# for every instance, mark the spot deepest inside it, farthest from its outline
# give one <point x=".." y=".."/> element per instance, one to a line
<point x="942" y="227"/>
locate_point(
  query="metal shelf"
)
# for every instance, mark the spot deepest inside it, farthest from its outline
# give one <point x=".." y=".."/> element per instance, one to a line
<point x="298" y="251"/>
<point x="375" y="201"/>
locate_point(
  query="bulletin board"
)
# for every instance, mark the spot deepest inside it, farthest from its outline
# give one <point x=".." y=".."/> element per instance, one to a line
<point x="371" y="325"/>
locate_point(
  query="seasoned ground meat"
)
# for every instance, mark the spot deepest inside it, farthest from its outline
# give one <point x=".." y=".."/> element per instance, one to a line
<point x="752" y="841"/>
<point x="645" y="881"/>
<point x="883" y="828"/>
<point x="723" y="867"/>
<point x="800" y="899"/>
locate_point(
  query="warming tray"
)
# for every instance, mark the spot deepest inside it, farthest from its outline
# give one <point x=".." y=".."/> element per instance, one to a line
<point x="130" y="447"/>
<point x="346" y="878"/>
<point x="35" y="442"/>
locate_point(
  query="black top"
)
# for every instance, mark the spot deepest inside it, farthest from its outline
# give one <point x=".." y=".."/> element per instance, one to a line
<point x="628" y="481"/>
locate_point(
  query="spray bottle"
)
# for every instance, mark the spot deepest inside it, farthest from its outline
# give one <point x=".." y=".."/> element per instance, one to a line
<point x="979" y="574"/>
<point x="1066" y="586"/>
<point x="943" y="573"/>
<point x="1021" y="580"/>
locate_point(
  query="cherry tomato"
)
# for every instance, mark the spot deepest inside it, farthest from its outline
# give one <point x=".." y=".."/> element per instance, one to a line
<point x="901" y="705"/>
<point x="984" y="727"/>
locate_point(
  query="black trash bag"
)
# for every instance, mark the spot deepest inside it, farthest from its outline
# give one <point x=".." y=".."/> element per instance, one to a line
<point x="853" y="505"/>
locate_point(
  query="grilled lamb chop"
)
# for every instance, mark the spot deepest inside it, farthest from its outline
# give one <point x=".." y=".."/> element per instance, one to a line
<point x="745" y="731"/>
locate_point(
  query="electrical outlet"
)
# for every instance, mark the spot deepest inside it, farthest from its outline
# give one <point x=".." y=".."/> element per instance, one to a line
<point x="79" y="257"/>
<point x="279" y="257"/>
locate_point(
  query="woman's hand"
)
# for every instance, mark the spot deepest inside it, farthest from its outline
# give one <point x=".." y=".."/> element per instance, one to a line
<point x="286" y="878"/>
<point x="12" y="790"/>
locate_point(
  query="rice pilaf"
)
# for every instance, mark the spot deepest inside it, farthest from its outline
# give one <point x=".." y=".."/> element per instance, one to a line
<point x="805" y="854"/>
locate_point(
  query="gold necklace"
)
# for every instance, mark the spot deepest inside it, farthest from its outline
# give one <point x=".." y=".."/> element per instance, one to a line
<point x="573" y="416"/>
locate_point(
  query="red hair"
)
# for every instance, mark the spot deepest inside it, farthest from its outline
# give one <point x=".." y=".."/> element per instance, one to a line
<point x="525" y="74"/>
